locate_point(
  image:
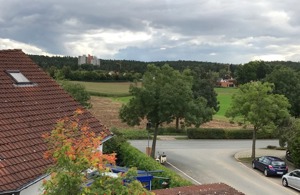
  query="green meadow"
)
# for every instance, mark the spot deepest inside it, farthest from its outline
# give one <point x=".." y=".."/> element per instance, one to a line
<point x="224" y="98"/>
<point x="119" y="91"/>
<point x="106" y="88"/>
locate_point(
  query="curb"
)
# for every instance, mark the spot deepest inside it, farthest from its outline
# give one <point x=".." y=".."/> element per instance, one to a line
<point x="260" y="152"/>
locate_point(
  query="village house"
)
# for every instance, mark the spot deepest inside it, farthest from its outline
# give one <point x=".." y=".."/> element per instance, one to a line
<point x="226" y="82"/>
<point x="31" y="102"/>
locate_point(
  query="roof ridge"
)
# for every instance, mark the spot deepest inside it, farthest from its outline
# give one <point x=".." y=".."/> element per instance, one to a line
<point x="6" y="50"/>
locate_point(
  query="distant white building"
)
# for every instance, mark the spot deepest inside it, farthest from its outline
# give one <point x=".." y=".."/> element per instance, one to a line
<point x="88" y="60"/>
<point x="82" y="59"/>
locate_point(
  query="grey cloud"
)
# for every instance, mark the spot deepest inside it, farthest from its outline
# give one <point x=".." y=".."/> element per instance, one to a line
<point x="51" y="25"/>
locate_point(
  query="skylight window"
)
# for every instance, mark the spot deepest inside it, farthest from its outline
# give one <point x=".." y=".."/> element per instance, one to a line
<point x="19" y="78"/>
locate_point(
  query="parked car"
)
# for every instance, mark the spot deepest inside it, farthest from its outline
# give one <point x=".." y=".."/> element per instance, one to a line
<point x="292" y="179"/>
<point x="270" y="165"/>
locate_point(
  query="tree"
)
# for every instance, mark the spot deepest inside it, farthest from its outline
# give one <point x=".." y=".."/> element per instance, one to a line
<point x="252" y="71"/>
<point x="287" y="83"/>
<point x="203" y="86"/>
<point x="78" y="92"/>
<point x="73" y="149"/>
<point x="290" y="136"/>
<point x="164" y="96"/>
<point x="255" y="104"/>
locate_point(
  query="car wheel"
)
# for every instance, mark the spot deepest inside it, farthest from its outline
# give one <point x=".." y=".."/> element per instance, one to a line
<point x="266" y="173"/>
<point x="253" y="166"/>
<point x="284" y="182"/>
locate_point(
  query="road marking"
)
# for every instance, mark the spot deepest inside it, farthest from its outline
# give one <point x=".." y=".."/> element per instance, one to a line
<point x="184" y="174"/>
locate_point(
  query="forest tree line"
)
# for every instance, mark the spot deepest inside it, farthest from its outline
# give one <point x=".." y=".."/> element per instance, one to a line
<point x="129" y="70"/>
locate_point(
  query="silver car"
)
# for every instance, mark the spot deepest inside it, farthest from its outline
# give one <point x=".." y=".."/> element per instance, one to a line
<point x="292" y="179"/>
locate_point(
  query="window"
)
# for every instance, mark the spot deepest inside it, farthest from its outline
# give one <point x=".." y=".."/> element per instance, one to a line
<point x="19" y="78"/>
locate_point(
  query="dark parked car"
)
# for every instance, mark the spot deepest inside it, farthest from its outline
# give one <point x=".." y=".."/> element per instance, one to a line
<point x="270" y="165"/>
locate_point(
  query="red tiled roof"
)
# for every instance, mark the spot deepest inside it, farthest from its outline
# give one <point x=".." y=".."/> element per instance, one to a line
<point x="27" y="112"/>
<point x="217" y="188"/>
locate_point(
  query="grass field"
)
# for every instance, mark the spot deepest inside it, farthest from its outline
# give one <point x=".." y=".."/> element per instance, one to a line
<point x="122" y="89"/>
<point x="224" y="97"/>
<point x="108" y="88"/>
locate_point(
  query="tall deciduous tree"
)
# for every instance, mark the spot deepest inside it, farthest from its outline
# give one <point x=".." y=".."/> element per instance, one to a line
<point x="203" y="86"/>
<point x="255" y="104"/>
<point x="290" y="136"/>
<point x="252" y="71"/>
<point x="287" y="83"/>
<point x="165" y="95"/>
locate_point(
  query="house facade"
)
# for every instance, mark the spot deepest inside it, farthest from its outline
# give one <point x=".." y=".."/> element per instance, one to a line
<point x="226" y="82"/>
<point x="31" y="102"/>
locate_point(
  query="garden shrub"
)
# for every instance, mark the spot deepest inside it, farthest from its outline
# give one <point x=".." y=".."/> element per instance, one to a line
<point x="132" y="157"/>
<point x="239" y="134"/>
<point x="294" y="147"/>
<point x="129" y="156"/>
<point x="135" y="134"/>
<point x="171" y="131"/>
<point x="206" y="133"/>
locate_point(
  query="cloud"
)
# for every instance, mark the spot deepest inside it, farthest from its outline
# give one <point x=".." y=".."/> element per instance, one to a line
<point x="29" y="49"/>
<point x="229" y="31"/>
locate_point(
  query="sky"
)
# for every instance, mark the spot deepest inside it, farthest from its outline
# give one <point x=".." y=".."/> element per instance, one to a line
<point x="223" y="31"/>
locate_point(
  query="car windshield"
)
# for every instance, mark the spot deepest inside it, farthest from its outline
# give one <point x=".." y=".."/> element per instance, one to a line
<point x="278" y="163"/>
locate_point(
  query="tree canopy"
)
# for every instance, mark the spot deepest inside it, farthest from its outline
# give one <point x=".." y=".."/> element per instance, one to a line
<point x="252" y="71"/>
<point x="287" y="83"/>
<point x="255" y="104"/>
<point x="166" y="94"/>
<point x="289" y="135"/>
<point x="203" y="86"/>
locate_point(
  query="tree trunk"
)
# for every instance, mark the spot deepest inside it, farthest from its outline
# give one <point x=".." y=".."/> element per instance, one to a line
<point x="177" y="123"/>
<point x="154" y="140"/>
<point x="253" y="142"/>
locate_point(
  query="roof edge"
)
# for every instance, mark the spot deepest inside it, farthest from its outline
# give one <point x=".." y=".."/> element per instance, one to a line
<point x="26" y="185"/>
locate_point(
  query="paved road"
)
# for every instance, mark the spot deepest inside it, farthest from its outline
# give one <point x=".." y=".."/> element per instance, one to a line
<point x="212" y="161"/>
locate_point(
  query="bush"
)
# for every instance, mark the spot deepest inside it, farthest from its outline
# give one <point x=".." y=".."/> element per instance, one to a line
<point x="171" y="131"/>
<point x="78" y="92"/>
<point x="132" y="157"/>
<point x="129" y="156"/>
<point x="135" y="134"/>
<point x="206" y="133"/>
<point x="294" y="147"/>
<point x="239" y="134"/>
<point x="114" y="144"/>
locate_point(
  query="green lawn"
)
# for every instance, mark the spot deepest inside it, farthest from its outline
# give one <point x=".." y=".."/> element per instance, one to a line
<point x="122" y="89"/>
<point x="224" y="97"/>
<point x="108" y="88"/>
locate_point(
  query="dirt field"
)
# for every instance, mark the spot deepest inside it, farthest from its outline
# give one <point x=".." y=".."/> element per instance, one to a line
<point x="107" y="111"/>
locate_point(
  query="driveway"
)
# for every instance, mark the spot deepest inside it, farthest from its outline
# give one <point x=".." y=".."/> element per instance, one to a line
<point x="212" y="161"/>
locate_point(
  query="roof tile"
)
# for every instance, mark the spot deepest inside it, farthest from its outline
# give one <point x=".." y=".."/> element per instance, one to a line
<point x="25" y="114"/>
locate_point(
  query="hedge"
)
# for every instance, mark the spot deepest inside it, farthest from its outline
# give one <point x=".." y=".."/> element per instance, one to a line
<point x="132" y="157"/>
<point x="129" y="156"/>
<point x="135" y="134"/>
<point x="206" y="133"/>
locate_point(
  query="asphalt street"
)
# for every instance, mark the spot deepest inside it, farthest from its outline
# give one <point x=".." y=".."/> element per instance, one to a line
<point x="212" y="161"/>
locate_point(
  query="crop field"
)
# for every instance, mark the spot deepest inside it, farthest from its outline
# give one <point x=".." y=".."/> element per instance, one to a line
<point x="119" y="92"/>
<point x="106" y="108"/>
